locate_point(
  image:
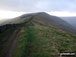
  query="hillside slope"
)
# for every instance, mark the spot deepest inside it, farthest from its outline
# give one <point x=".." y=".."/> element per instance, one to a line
<point x="71" y="20"/>
<point x="46" y="19"/>
<point x="34" y="38"/>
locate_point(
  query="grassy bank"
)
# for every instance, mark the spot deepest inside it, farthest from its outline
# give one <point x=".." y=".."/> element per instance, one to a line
<point x="37" y="40"/>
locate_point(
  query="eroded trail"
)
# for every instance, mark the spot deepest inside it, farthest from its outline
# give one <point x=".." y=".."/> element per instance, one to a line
<point x="13" y="37"/>
<point x="12" y="43"/>
<point x="5" y="39"/>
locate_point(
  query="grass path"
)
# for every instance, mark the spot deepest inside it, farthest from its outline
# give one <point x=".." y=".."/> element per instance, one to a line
<point x="11" y="45"/>
<point x="5" y="42"/>
<point x="30" y="38"/>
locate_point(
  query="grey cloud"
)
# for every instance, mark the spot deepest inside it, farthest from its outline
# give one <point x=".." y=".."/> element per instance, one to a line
<point x="38" y="5"/>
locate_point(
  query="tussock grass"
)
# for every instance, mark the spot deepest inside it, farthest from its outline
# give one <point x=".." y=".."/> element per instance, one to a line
<point x="37" y="40"/>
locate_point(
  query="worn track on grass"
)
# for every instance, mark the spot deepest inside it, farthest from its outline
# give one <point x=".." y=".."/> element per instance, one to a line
<point x="12" y="43"/>
<point x="8" y="52"/>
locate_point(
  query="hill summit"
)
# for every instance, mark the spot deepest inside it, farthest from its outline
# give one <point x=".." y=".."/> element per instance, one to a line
<point x="36" y="35"/>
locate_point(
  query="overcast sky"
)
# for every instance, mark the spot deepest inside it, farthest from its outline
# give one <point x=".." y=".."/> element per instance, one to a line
<point x="38" y="5"/>
<point x="13" y="8"/>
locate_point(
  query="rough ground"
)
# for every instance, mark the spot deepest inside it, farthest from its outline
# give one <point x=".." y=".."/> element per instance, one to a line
<point x="35" y="39"/>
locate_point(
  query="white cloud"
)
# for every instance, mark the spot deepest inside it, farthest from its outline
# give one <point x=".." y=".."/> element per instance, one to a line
<point x="38" y="5"/>
<point x="62" y="13"/>
<point x="12" y="14"/>
<point x="9" y="14"/>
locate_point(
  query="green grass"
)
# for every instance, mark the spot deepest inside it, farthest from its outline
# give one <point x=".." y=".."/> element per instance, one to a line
<point x="5" y="40"/>
<point x="42" y="41"/>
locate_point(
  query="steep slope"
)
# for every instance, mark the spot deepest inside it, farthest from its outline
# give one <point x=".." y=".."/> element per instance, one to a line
<point x="46" y="19"/>
<point x="34" y="37"/>
<point x="56" y="22"/>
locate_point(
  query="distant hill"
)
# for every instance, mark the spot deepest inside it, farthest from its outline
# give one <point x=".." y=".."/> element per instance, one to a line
<point x="36" y="35"/>
<point x="71" y="20"/>
<point x="46" y="19"/>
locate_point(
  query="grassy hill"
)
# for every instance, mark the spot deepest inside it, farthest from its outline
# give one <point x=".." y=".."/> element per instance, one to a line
<point x="34" y="38"/>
